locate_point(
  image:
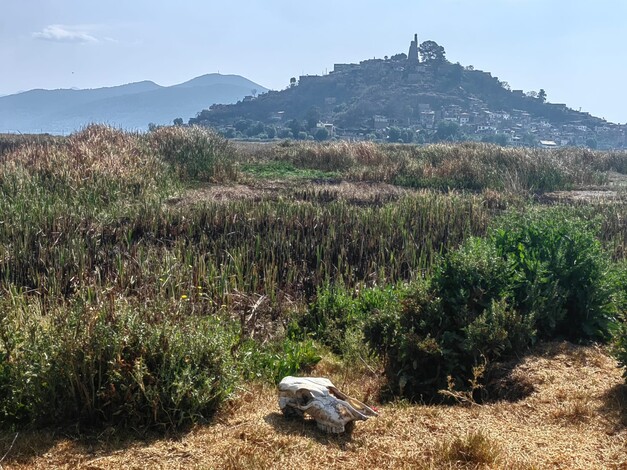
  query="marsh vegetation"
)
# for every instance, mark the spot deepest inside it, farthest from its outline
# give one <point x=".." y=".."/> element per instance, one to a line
<point x="147" y="279"/>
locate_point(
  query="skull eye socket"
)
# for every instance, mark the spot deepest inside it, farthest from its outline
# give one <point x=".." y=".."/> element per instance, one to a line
<point x="303" y="397"/>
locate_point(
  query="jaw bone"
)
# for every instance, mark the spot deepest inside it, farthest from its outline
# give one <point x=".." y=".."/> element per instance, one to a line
<point x="319" y="398"/>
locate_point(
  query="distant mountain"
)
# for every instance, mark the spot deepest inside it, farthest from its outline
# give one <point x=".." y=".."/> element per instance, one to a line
<point x="132" y="106"/>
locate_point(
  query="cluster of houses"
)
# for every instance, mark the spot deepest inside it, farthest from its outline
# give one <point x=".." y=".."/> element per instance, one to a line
<point x="517" y="127"/>
<point x="431" y="86"/>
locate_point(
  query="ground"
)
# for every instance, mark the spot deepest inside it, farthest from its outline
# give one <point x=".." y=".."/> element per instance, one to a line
<point x="572" y="416"/>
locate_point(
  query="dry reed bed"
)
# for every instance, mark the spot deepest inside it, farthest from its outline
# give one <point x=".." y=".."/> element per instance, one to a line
<point x="468" y="165"/>
<point x="573" y="419"/>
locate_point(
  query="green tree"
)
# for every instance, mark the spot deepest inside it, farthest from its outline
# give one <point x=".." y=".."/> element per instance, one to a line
<point x="447" y="130"/>
<point x="312" y="117"/>
<point x="542" y="95"/>
<point x="230" y="133"/>
<point x="295" y="127"/>
<point x="591" y="143"/>
<point x="498" y="139"/>
<point x="270" y="132"/>
<point x="431" y="51"/>
<point x="394" y="134"/>
<point x="407" y="136"/>
<point x="242" y="124"/>
<point x="255" y="129"/>
<point x="178" y="121"/>
<point x="401" y="56"/>
<point x="321" y="134"/>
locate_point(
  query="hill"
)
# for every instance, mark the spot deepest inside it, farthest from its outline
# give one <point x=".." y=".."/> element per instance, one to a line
<point x="418" y="93"/>
<point x="132" y="106"/>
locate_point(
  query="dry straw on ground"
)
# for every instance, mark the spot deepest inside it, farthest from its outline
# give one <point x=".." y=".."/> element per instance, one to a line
<point x="575" y="417"/>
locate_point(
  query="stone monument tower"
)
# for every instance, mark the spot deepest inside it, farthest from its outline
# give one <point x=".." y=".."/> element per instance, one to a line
<point x="412" y="57"/>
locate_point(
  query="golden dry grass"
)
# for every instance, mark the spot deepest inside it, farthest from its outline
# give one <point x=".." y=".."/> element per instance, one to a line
<point x="575" y="419"/>
<point x="353" y="192"/>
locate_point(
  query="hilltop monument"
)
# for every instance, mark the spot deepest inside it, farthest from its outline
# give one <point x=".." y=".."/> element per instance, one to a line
<point x="412" y="57"/>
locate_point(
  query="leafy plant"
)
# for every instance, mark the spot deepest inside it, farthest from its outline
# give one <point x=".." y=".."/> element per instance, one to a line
<point x="97" y="365"/>
<point x="562" y="273"/>
<point x="541" y="274"/>
<point x="278" y="360"/>
<point x="336" y="313"/>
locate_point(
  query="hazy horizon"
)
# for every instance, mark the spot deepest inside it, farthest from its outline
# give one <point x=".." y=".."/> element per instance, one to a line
<point x="574" y="50"/>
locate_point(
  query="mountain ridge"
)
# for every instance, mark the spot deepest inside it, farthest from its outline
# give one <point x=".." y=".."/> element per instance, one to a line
<point x="130" y="106"/>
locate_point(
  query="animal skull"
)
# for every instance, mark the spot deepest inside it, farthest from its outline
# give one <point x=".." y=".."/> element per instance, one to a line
<point x="319" y="398"/>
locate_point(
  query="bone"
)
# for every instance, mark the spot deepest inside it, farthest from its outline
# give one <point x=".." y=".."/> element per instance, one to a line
<point x="324" y="402"/>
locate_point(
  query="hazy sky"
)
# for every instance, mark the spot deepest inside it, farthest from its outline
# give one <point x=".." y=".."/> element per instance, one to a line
<point x="574" y="49"/>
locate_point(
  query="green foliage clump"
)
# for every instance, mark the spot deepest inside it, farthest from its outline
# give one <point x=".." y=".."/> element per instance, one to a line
<point x="562" y="273"/>
<point x="337" y="315"/>
<point x="103" y="365"/>
<point x="288" y="356"/>
<point x="540" y="275"/>
<point x="196" y="153"/>
<point x="620" y="335"/>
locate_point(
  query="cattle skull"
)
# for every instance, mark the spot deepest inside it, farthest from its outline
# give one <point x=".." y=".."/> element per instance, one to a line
<point x="320" y="399"/>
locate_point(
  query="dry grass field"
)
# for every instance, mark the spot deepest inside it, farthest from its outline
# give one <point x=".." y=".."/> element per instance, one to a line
<point x="573" y="418"/>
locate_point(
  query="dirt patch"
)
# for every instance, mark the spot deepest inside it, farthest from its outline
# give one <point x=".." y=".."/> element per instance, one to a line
<point x="573" y="419"/>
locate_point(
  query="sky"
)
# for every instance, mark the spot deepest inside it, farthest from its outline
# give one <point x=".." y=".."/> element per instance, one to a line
<point x="573" y="49"/>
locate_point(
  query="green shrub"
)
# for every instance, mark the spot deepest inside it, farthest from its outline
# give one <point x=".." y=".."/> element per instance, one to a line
<point x="448" y="325"/>
<point x="277" y="360"/>
<point x="542" y="274"/>
<point x="562" y="273"/>
<point x="620" y="334"/>
<point x="120" y="366"/>
<point x="337" y="314"/>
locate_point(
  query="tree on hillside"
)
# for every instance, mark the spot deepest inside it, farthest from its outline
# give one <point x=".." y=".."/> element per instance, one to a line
<point x="321" y="134"/>
<point x="407" y="136"/>
<point x="401" y="56"/>
<point x="394" y="134"/>
<point x="542" y="95"/>
<point x="242" y="124"/>
<point x="431" y="51"/>
<point x="178" y="121"/>
<point x="591" y="143"/>
<point x="294" y="126"/>
<point x="270" y="132"/>
<point x="312" y="117"/>
<point x="447" y="130"/>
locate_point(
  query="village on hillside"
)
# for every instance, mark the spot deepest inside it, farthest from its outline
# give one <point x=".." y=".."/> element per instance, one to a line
<point x="415" y="97"/>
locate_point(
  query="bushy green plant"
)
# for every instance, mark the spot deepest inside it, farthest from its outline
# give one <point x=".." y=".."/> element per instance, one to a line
<point x="562" y="273"/>
<point x="448" y="325"/>
<point x="336" y="313"/>
<point x="100" y="365"/>
<point x="543" y="274"/>
<point x="272" y="362"/>
<point x="619" y="345"/>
